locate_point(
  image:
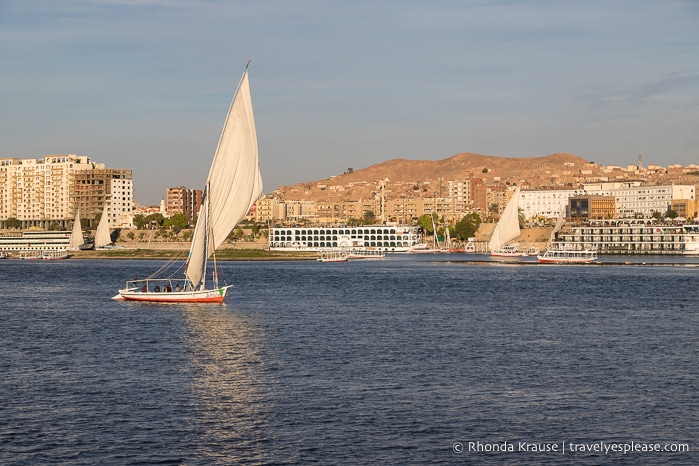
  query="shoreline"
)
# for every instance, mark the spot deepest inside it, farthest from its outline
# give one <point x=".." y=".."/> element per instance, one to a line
<point x="226" y="254"/>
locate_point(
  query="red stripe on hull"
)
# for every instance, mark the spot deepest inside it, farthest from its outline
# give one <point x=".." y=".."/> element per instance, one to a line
<point x="215" y="299"/>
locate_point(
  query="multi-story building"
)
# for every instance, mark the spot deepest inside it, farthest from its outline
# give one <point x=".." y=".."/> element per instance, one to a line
<point x="498" y="196"/>
<point x="635" y="200"/>
<point x="94" y="187"/>
<point x="631" y="200"/>
<point x="49" y="191"/>
<point x="547" y="203"/>
<point x="592" y="207"/>
<point x="182" y="200"/>
<point x="459" y="190"/>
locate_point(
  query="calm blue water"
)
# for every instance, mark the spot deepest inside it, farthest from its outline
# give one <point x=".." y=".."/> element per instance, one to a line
<point x="400" y="361"/>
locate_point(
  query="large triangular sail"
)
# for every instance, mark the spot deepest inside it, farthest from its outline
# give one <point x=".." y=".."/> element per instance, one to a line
<point x="507" y="227"/>
<point x="76" y="236"/>
<point x="102" y="235"/>
<point x="233" y="185"/>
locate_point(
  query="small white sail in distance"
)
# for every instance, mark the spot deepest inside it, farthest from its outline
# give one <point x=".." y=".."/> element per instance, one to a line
<point x="558" y="226"/>
<point x="507" y="227"/>
<point x="102" y="235"/>
<point x="76" y="237"/>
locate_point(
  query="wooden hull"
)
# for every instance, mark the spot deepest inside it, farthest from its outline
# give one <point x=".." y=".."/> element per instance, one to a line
<point x="216" y="295"/>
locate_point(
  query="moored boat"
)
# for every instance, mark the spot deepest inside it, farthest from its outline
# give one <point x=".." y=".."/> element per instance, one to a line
<point x="422" y="248"/>
<point x="54" y="254"/>
<point x="34" y="240"/>
<point x="387" y="238"/>
<point x="561" y="255"/>
<point x="333" y="255"/>
<point x="632" y="236"/>
<point x="365" y="254"/>
<point x="508" y="250"/>
<point x="30" y="254"/>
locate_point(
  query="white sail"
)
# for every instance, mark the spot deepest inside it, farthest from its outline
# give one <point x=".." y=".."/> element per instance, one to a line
<point x="559" y="225"/>
<point x="435" y="241"/>
<point x="76" y="237"/>
<point x="233" y="185"/>
<point x="507" y="227"/>
<point x="102" y="235"/>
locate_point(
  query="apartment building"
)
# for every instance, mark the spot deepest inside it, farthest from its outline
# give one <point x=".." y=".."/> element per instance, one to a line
<point x="182" y="200"/>
<point x="49" y="191"/>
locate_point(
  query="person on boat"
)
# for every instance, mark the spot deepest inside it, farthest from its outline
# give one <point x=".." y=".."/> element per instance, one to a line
<point x="156" y="289"/>
<point x="167" y="288"/>
<point x="144" y="289"/>
<point x="177" y="287"/>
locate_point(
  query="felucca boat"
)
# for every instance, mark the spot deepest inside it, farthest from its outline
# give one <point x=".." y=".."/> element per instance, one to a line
<point x="506" y="230"/>
<point x="232" y="187"/>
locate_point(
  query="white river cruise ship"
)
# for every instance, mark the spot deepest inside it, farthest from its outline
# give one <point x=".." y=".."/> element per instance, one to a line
<point x="39" y="240"/>
<point x="631" y="237"/>
<point x="387" y="238"/>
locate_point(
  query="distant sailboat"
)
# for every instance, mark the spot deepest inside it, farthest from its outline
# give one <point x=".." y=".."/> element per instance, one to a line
<point x="447" y="239"/>
<point x="76" y="237"/>
<point x="232" y="187"/>
<point x="557" y="227"/>
<point x="102" y="235"/>
<point x="506" y="230"/>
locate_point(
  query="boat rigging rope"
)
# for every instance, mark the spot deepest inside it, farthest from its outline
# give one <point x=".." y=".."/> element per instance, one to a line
<point x="167" y="265"/>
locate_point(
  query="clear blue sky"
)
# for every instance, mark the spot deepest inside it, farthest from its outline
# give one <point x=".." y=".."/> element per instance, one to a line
<point x="145" y="84"/>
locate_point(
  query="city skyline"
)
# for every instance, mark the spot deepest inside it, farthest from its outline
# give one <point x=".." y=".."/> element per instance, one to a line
<point x="145" y="85"/>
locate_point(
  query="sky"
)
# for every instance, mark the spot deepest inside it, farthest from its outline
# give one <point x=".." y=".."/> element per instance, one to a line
<point x="146" y="84"/>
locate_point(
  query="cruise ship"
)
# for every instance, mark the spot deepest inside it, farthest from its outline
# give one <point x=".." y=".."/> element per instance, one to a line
<point x="631" y="237"/>
<point x="40" y="240"/>
<point x="385" y="238"/>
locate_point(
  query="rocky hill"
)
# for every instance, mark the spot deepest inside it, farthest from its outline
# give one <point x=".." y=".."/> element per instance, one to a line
<point x="461" y="166"/>
<point x="527" y="172"/>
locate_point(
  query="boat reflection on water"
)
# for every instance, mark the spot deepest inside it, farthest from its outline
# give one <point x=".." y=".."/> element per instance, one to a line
<point x="229" y="385"/>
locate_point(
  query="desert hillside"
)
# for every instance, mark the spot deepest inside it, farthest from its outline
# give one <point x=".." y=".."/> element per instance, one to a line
<point x="405" y="175"/>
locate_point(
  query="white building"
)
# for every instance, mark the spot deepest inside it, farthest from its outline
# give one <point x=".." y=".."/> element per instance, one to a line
<point x="545" y="203"/>
<point x="632" y="199"/>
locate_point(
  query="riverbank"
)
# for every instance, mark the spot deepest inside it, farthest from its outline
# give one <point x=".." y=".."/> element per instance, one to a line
<point x="226" y="254"/>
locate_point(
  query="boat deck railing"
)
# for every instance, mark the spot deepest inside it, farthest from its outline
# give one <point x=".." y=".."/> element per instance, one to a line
<point x="160" y="284"/>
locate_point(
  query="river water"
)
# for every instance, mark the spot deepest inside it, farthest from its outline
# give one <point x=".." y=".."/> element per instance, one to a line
<point x="407" y="360"/>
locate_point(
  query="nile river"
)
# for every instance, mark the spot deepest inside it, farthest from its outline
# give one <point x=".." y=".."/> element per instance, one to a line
<point x="407" y="360"/>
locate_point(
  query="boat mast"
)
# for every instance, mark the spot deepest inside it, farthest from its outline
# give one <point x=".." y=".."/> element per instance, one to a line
<point x="211" y="238"/>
